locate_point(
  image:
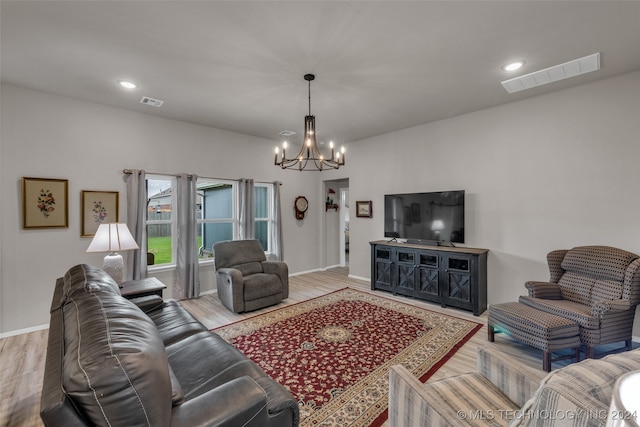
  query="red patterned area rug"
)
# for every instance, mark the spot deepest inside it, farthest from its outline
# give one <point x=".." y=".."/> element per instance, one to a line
<point x="334" y="352"/>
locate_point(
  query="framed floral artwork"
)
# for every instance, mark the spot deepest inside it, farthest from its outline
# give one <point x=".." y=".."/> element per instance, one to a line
<point x="45" y="203"/>
<point x="98" y="207"/>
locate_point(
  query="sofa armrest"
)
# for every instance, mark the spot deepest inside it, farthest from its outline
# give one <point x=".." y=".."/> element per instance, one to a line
<point x="238" y="402"/>
<point x="148" y="303"/>
<point x="544" y="290"/>
<point x="56" y="407"/>
<point x="233" y="275"/>
<point x="280" y="269"/>
<point x="230" y="288"/>
<point x="409" y="403"/>
<point x="600" y="308"/>
<point x="515" y="380"/>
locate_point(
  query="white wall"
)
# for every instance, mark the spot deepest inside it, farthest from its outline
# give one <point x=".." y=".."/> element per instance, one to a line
<point x="554" y="171"/>
<point x="50" y="136"/>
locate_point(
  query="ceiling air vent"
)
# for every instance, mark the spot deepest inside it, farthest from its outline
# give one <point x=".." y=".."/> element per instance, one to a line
<point x="287" y="133"/>
<point x="553" y="74"/>
<point x="150" y="101"/>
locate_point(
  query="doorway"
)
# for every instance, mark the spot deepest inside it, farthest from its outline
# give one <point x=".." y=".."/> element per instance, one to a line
<point x="336" y="223"/>
<point x="344" y="226"/>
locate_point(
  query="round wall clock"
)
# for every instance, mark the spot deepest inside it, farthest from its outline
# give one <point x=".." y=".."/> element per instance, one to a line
<point x="301" y="205"/>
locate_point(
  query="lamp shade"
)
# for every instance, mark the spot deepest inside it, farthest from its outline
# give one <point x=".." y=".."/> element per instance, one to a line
<point x="112" y="238"/>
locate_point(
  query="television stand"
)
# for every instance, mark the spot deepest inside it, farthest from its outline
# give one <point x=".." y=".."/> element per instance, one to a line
<point x="450" y="276"/>
<point x="423" y="242"/>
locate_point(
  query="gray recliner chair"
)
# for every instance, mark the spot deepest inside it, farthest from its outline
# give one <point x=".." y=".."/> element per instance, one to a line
<point x="246" y="281"/>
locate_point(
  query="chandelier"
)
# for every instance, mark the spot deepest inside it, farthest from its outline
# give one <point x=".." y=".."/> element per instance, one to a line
<point x="309" y="157"/>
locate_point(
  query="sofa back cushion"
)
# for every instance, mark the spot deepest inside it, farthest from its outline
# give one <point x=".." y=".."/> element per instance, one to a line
<point x="249" y="268"/>
<point x="576" y="287"/>
<point x="87" y="278"/>
<point x="115" y="367"/>
<point x="594" y="273"/>
<point x="231" y="253"/>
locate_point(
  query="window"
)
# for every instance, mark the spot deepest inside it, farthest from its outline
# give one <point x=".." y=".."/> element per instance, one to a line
<point x="160" y="228"/>
<point x="262" y="203"/>
<point x="217" y="215"/>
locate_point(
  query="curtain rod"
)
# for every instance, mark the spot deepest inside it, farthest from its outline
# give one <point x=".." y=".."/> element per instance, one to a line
<point x="129" y="172"/>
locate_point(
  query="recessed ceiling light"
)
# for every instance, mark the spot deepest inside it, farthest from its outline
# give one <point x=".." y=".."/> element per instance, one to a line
<point x="127" y="84"/>
<point x="512" y="66"/>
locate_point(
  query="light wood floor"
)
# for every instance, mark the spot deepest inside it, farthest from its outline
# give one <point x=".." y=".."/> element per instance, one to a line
<point x="22" y="357"/>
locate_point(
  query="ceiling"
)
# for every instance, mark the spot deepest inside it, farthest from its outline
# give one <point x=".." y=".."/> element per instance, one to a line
<point x="239" y="65"/>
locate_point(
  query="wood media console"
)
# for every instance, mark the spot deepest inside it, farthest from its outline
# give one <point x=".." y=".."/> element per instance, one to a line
<point x="450" y="276"/>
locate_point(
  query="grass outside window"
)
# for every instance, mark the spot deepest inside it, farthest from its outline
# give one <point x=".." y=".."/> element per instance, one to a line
<point x="160" y="247"/>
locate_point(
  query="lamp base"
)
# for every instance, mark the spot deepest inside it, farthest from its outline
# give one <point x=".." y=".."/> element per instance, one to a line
<point x="114" y="266"/>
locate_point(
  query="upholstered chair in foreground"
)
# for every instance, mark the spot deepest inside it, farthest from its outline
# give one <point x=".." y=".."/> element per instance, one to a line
<point x="246" y="281"/>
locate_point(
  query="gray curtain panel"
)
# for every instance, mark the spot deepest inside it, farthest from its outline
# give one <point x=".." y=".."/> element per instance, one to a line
<point x="136" y="214"/>
<point x="277" y="249"/>
<point x="187" y="283"/>
<point x="246" y="228"/>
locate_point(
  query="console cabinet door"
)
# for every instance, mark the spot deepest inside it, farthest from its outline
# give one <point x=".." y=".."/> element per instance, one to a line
<point x="382" y="268"/>
<point x="405" y="272"/>
<point x="428" y="276"/>
<point x="457" y="286"/>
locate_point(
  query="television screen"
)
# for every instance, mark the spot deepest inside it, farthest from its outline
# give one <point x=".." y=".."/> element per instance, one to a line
<point x="435" y="216"/>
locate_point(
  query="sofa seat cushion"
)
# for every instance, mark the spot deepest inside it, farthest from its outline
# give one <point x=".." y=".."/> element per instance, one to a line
<point x="174" y="322"/>
<point x="205" y="361"/>
<point x="579" y="313"/>
<point x="114" y="366"/>
<point x="261" y="285"/>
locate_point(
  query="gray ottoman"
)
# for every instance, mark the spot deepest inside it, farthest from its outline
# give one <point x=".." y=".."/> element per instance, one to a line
<point x="544" y="331"/>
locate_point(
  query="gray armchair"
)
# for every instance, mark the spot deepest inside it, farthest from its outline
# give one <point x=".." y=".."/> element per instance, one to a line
<point x="246" y="281"/>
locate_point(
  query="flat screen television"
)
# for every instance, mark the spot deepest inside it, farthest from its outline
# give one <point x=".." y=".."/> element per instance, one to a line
<point x="435" y="216"/>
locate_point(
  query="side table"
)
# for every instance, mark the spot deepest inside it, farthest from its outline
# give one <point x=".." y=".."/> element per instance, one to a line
<point x="142" y="288"/>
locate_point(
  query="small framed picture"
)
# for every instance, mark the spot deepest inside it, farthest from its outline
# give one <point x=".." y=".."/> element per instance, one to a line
<point x="98" y="207"/>
<point x="364" y="209"/>
<point x="45" y="203"/>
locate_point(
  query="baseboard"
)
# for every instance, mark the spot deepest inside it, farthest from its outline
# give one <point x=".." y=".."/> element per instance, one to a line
<point x="635" y="339"/>
<point x="209" y="292"/>
<point x="366" y="279"/>
<point x="24" y="331"/>
<point x="299" y="273"/>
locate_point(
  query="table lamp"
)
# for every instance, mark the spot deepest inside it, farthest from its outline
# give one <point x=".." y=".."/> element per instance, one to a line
<point x="111" y="238"/>
<point x="625" y="405"/>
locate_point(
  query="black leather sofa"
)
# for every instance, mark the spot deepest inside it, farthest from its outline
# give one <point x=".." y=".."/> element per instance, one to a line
<point x="147" y="362"/>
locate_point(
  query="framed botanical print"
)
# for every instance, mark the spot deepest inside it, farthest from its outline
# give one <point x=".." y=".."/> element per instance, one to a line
<point x="98" y="207"/>
<point x="45" y="203"/>
<point x="364" y="209"/>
